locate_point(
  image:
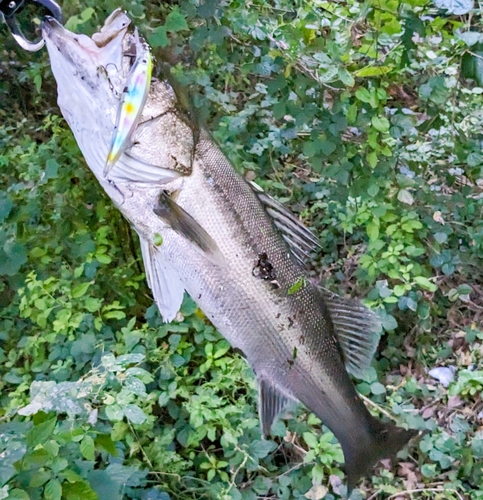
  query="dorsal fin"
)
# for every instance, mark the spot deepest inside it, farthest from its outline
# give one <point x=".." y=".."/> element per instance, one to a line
<point x="357" y="329"/>
<point x="299" y="238"/>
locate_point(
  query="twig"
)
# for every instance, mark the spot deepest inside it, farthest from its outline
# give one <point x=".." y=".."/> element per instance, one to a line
<point x="380" y="408"/>
<point x="234" y="474"/>
<point x="374" y="495"/>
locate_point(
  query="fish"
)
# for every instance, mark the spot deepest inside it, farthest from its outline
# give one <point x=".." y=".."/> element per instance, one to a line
<point x="239" y="254"/>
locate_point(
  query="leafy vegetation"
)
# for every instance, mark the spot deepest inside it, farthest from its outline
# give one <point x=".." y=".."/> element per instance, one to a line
<point x="364" y="118"/>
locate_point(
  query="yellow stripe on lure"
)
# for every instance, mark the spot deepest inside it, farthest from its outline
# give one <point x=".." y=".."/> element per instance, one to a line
<point x="131" y="108"/>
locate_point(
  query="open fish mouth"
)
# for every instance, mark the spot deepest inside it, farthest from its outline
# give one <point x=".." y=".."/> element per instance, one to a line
<point x="112" y="49"/>
<point x="92" y="74"/>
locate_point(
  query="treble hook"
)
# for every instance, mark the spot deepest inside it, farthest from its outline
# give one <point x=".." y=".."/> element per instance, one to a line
<point x="8" y="10"/>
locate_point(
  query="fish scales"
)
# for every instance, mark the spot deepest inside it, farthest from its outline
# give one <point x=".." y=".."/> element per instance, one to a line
<point x="283" y="322"/>
<point x="205" y="230"/>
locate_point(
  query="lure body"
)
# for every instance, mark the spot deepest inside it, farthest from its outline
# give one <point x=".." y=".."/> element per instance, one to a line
<point x="131" y="107"/>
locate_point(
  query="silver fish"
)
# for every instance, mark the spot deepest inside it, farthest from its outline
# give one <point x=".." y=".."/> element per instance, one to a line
<point x="236" y="251"/>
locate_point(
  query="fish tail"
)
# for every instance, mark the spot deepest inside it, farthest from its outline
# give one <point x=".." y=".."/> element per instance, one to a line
<point x="384" y="440"/>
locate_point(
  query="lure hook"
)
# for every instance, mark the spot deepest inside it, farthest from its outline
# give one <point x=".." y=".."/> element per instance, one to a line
<point x="8" y="11"/>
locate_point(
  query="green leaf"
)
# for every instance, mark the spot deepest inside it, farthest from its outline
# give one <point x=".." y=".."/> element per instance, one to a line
<point x="363" y="95"/>
<point x="71" y="476"/>
<point x="16" y="257"/>
<point x="372" y="230"/>
<point x="346" y="78"/>
<point x="18" y="494"/>
<point x="38" y="83"/>
<point x="92" y="304"/>
<point x="87" y="448"/>
<point x="39" y="478"/>
<point x="158" y="38"/>
<point x="80" y="290"/>
<point x="53" y="490"/>
<point x="405" y="196"/>
<point x="135" y="385"/>
<point x="369" y="71"/>
<point x="372" y="159"/>
<point x="104" y="441"/>
<point x="425" y="283"/>
<point x="310" y="439"/>
<point x="311" y="148"/>
<point x="134" y="414"/>
<point x="40" y="432"/>
<point x="103" y="258"/>
<point x="440" y="237"/>
<point x="297" y="286"/>
<point x="158" y="239"/>
<point x="380" y="123"/>
<point x="79" y="491"/>
<point x="5" y="207"/>
<point x="377" y="388"/>
<point x="327" y="147"/>
<point x="176" y="21"/>
<point x="115" y="315"/>
<point x="114" y="412"/>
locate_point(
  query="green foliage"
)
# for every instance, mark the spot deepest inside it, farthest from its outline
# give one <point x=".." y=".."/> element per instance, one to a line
<point x="365" y="119"/>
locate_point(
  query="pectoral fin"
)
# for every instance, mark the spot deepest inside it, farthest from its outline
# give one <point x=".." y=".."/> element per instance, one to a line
<point x="357" y="329"/>
<point x="182" y="222"/>
<point x="271" y="403"/>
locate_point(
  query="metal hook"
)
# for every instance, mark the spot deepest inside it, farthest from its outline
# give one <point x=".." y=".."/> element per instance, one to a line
<point x="8" y="9"/>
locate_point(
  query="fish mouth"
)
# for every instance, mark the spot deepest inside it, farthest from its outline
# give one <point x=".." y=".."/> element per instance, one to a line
<point x="110" y="48"/>
<point x="115" y="24"/>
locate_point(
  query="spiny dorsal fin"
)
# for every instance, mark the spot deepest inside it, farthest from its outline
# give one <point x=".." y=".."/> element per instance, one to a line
<point x="357" y="329"/>
<point x="300" y="239"/>
<point x="271" y="403"/>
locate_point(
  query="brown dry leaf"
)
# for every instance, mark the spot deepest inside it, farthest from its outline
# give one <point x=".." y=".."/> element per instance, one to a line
<point x="386" y="463"/>
<point x="428" y="412"/>
<point x="406" y="470"/>
<point x="335" y="483"/>
<point x="289" y="437"/>
<point x="437" y="217"/>
<point x="410" y="349"/>
<point x="454" y="402"/>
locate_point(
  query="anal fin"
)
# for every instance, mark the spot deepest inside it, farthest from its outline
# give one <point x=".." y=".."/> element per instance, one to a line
<point x="271" y="403"/>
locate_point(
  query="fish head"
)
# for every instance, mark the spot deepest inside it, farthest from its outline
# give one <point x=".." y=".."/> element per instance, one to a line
<point x="91" y="74"/>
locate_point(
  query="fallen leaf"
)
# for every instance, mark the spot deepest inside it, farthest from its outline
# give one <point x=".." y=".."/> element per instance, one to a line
<point x="335" y="483"/>
<point x="437" y="217"/>
<point x="406" y="470"/>
<point x="428" y="412"/>
<point x="316" y="492"/>
<point x="454" y="402"/>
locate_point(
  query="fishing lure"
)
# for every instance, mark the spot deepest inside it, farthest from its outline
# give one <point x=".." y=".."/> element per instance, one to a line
<point x="131" y="107"/>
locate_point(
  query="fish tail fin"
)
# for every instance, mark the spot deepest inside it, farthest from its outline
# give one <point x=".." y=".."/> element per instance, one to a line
<point x="383" y="441"/>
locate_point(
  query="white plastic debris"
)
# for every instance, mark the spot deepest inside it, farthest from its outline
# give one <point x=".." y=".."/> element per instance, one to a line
<point x="443" y="374"/>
